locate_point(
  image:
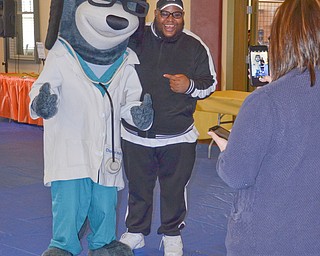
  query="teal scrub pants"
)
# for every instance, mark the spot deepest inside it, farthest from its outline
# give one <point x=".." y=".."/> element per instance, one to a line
<point x="72" y="202"/>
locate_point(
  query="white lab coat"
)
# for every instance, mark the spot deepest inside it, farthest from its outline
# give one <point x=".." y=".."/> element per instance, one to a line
<point x="77" y="140"/>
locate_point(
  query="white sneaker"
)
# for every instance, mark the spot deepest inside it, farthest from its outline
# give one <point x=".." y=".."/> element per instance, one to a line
<point x="133" y="240"/>
<point x="172" y="245"/>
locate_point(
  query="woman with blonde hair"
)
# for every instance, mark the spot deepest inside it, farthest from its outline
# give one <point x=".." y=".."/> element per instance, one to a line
<point x="272" y="155"/>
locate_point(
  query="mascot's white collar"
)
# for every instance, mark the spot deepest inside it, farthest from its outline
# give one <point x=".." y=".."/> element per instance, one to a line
<point x="130" y="58"/>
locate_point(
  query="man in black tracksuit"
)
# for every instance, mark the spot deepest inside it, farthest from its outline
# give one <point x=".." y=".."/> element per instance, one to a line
<point x="177" y="70"/>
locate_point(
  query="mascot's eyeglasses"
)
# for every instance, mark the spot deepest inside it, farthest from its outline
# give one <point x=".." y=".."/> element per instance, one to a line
<point x="136" y="7"/>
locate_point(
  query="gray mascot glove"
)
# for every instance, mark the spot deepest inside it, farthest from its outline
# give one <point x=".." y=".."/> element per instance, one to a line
<point x="142" y="115"/>
<point x="115" y="248"/>
<point x="45" y="104"/>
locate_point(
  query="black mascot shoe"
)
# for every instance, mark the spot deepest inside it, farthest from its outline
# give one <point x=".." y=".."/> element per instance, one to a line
<point x="56" y="252"/>
<point x="115" y="248"/>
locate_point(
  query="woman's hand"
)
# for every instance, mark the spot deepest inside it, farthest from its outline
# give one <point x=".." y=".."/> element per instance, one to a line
<point x="222" y="143"/>
<point x="265" y="79"/>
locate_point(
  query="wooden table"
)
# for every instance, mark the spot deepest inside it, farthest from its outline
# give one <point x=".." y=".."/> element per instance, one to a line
<point x="223" y="103"/>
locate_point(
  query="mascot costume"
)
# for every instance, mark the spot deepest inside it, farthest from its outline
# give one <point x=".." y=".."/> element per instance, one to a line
<point x="87" y="86"/>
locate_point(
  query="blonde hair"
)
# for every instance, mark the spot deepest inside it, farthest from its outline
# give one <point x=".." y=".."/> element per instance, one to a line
<point x="295" y="38"/>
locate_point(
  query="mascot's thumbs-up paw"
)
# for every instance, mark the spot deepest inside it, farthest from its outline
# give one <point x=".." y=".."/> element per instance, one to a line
<point x="45" y="104"/>
<point x="143" y="115"/>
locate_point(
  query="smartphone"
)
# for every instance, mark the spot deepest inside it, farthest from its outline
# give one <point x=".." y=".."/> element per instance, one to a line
<point x="258" y="64"/>
<point x="220" y="131"/>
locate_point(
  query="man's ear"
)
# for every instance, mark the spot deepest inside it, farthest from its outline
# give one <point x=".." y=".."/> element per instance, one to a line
<point x="56" y="9"/>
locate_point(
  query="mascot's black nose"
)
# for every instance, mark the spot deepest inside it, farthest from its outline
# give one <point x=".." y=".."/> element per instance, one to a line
<point x="116" y="22"/>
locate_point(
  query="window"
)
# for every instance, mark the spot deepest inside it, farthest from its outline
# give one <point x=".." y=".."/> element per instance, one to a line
<point x="22" y="46"/>
<point x="266" y="11"/>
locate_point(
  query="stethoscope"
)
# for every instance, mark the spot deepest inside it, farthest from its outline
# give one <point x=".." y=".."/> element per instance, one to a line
<point x="113" y="164"/>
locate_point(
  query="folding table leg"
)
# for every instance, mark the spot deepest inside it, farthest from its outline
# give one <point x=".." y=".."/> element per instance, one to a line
<point x="209" y="148"/>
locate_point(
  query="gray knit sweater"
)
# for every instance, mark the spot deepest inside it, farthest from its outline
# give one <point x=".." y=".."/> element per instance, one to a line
<point x="273" y="159"/>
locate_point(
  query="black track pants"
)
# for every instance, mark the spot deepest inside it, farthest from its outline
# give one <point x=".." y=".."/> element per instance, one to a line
<point x="172" y="165"/>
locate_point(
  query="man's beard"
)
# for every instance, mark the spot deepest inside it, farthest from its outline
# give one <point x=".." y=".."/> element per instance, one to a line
<point x="160" y="34"/>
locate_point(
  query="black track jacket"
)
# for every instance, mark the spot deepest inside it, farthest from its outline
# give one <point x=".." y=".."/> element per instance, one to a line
<point x="186" y="55"/>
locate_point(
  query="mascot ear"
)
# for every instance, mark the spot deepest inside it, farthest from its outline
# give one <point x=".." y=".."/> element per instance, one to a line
<point x="56" y="9"/>
<point x="135" y="40"/>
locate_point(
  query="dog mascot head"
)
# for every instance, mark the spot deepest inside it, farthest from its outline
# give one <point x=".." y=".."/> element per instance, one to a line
<point x="98" y="30"/>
